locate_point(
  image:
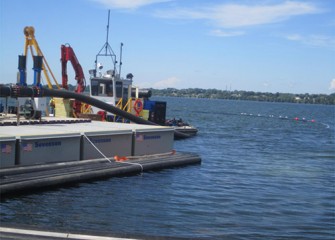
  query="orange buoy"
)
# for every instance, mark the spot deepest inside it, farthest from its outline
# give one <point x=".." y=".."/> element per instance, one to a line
<point x="120" y="159"/>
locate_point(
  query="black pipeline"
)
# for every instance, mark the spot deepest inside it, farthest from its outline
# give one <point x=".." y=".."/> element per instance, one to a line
<point x="21" y="91"/>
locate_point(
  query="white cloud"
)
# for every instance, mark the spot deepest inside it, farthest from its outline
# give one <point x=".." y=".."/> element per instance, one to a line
<point x="313" y="40"/>
<point x="239" y="15"/>
<point x="234" y="15"/>
<point x="332" y="85"/>
<point x="144" y="85"/>
<point x="294" y="37"/>
<point x="128" y="4"/>
<point x="266" y="84"/>
<point x="166" y="83"/>
<point x="220" y="33"/>
<point x="321" y="41"/>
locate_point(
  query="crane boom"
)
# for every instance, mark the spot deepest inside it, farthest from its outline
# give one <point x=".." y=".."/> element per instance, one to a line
<point x="67" y="54"/>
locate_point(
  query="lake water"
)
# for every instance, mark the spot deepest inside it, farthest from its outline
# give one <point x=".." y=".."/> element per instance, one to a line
<point x="263" y="176"/>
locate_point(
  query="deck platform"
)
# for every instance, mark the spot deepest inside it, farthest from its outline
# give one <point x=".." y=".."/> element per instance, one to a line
<point x="34" y="157"/>
<point x="59" y="142"/>
<point x="11" y="120"/>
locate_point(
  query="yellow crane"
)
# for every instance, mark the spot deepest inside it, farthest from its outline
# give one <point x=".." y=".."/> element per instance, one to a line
<point x="31" y="42"/>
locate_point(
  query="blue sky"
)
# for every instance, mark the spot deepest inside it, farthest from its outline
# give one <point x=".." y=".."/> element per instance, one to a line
<point x="254" y="45"/>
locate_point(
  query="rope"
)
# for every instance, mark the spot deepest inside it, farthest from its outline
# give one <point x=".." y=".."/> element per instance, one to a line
<point x="133" y="164"/>
<point x="138" y="164"/>
<point x="97" y="148"/>
<point x="153" y="155"/>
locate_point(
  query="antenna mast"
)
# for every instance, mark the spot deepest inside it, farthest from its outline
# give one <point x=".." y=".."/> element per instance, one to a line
<point x="108" y="51"/>
<point x="120" y="64"/>
<point x="107" y="32"/>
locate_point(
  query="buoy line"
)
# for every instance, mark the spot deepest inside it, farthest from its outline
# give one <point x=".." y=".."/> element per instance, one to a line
<point x="280" y="117"/>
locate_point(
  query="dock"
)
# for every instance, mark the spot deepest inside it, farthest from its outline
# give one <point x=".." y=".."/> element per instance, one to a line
<point x="28" y="178"/>
<point x="36" y="156"/>
<point x="32" y="144"/>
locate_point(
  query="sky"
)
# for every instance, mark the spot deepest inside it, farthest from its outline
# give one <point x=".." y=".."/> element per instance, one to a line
<point x="252" y="45"/>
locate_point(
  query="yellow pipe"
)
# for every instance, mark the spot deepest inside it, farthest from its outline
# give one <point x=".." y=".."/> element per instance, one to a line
<point x="128" y="105"/>
<point x="119" y="103"/>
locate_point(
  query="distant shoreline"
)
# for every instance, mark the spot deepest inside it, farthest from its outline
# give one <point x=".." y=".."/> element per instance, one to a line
<point x="305" y="98"/>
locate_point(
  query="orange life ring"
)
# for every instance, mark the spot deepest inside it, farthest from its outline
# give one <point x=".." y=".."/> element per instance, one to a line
<point x="138" y="106"/>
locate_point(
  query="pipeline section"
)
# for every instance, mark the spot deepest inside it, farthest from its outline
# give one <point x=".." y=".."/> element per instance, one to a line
<point x="16" y="91"/>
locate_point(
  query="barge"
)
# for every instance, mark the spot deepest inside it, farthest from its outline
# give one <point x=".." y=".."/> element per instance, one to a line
<point x="39" y="151"/>
<point x="49" y="153"/>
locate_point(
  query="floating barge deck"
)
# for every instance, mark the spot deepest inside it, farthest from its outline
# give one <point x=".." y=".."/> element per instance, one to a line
<point x="22" y="179"/>
<point x="56" y="152"/>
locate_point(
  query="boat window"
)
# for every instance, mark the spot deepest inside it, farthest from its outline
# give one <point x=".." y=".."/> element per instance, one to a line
<point x="94" y="88"/>
<point x="118" y="88"/>
<point x="125" y="92"/>
<point x="101" y="88"/>
<point x="109" y="89"/>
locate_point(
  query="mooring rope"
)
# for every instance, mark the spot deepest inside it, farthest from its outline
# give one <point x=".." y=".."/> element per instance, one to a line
<point x="96" y="148"/>
<point x="108" y="159"/>
<point x="133" y="164"/>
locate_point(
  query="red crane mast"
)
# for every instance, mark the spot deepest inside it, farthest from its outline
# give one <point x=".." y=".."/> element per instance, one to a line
<point x="67" y="54"/>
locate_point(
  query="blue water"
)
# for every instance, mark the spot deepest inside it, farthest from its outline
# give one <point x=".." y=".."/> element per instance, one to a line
<point x="261" y="177"/>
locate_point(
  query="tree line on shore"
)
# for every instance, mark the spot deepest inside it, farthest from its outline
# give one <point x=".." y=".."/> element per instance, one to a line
<point x="246" y="95"/>
<point x="241" y="95"/>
